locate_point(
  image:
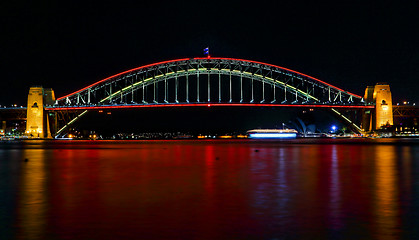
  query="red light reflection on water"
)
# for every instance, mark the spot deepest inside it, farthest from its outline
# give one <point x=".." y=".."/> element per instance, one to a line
<point x="212" y="190"/>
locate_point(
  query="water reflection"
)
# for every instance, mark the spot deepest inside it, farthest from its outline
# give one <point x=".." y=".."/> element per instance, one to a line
<point x="215" y="190"/>
<point x="386" y="195"/>
<point x="32" y="201"/>
<point x="335" y="191"/>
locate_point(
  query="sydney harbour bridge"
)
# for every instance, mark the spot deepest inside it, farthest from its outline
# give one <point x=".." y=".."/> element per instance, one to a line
<point x="193" y="82"/>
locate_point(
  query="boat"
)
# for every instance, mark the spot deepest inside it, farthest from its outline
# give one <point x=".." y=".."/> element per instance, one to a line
<point x="272" y="133"/>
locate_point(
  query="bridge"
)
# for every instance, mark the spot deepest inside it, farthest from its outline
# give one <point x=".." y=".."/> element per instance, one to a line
<point x="192" y="81"/>
<point x="189" y="82"/>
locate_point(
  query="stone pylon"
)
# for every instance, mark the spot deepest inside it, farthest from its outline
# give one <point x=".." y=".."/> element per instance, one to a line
<point x="37" y="122"/>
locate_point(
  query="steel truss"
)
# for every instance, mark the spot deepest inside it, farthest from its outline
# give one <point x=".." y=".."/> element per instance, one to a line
<point x="7" y="114"/>
<point x="209" y="80"/>
<point x="405" y="111"/>
<point x="206" y="80"/>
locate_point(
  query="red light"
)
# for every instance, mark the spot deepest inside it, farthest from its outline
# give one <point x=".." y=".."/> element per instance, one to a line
<point x="209" y="105"/>
<point x="208" y="57"/>
<point x="121" y="73"/>
<point x="302" y="74"/>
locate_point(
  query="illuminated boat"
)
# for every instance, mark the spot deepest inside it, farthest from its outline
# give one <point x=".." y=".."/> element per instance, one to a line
<point x="272" y="133"/>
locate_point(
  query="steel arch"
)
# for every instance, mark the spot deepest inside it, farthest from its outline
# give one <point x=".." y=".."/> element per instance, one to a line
<point x="306" y="88"/>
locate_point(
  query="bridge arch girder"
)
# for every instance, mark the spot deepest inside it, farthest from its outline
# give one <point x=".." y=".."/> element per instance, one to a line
<point x="121" y="85"/>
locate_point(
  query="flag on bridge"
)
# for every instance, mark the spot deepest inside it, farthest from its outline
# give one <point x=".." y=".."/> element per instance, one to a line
<point x="206" y="51"/>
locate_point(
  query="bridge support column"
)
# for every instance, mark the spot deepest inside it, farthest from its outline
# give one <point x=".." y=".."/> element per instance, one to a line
<point x="37" y="123"/>
<point x="382" y="115"/>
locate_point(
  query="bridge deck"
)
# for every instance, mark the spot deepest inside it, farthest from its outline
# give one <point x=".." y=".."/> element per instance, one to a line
<point x="13" y="113"/>
<point x="99" y="107"/>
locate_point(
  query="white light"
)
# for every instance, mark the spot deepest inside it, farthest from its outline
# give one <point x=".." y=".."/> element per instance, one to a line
<point x="273" y="135"/>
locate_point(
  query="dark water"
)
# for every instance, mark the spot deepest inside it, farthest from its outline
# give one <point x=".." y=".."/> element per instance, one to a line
<point x="299" y="189"/>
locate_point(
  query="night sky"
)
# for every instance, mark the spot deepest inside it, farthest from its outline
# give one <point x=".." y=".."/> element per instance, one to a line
<point x="67" y="46"/>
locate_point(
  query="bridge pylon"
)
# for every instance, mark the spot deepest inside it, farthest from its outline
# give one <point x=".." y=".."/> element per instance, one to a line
<point x="382" y="114"/>
<point x="37" y="123"/>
